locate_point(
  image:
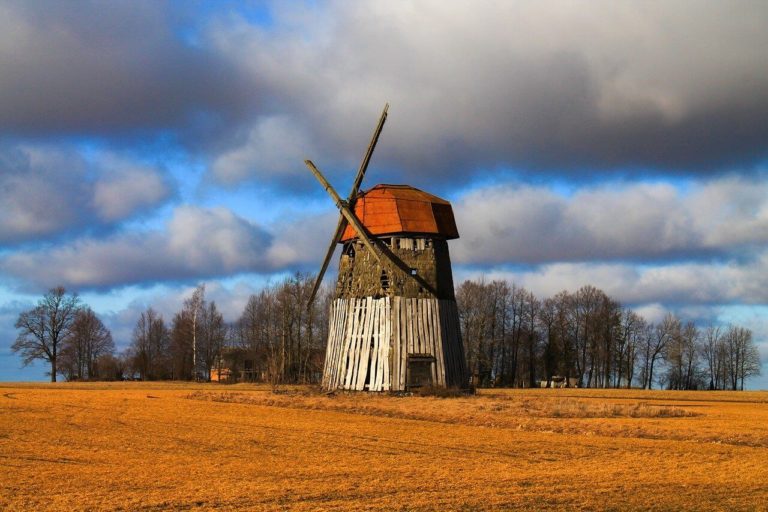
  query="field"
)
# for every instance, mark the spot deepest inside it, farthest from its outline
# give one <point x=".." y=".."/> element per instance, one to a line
<point x="139" y="446"/>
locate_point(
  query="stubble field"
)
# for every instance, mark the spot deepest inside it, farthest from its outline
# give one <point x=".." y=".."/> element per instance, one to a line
<point x="144" y="446"/>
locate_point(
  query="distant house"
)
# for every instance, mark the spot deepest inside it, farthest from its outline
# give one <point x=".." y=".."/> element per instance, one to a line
<point x="560" y="382"/>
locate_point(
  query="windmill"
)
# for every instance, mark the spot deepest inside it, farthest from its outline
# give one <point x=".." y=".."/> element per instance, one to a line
<point x="393" y="323"/>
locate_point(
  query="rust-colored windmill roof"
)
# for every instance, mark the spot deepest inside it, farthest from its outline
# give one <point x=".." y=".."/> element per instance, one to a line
<point x="393" y="209"/>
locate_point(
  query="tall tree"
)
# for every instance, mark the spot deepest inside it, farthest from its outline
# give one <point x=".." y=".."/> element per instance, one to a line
<point x="194" y="305"/>
<point x="149" y="347"/>
<point x="43" y="328"/>
<point x="88" y="339"/>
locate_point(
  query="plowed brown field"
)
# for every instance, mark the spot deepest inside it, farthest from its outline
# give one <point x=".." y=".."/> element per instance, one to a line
<point x="138" y="446"/>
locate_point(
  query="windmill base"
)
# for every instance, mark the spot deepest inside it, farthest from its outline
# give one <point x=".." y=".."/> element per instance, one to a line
<point x="393" y="344"/>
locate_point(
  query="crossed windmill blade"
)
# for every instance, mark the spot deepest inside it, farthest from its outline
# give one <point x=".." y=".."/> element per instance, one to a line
<point x="347" y="216"/>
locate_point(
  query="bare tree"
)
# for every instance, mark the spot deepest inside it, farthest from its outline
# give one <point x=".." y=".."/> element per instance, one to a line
<point x="43" y="328"/>
<point x="194" y="306"/>
<point x="712" y="349"/>
<point x="87" y="340"/>
<point x="742" y="356"/>
<point x="213" y="332"/>
<point x="657" y="342"/>
<point x="149" y="348"/>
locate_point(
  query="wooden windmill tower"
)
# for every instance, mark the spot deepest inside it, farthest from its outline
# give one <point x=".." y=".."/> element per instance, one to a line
<point x="393" y="323"/>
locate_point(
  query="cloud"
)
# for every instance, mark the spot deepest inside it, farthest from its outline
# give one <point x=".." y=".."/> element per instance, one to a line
<point x="274" y="149"/>
<point x="108" y="68"/>
<point x="197" y="242"/>
<point x="47" y="191"/>
<point x="675" y="283"/>
<point x="128" y="188"/>
<point x="641" y="222"/>
<point x="539" y="87"/>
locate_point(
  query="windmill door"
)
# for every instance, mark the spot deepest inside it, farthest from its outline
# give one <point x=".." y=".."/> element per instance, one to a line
<point x="420" y="371"/>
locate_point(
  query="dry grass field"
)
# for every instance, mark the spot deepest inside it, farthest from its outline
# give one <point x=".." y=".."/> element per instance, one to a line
<point x="138" y="446"/>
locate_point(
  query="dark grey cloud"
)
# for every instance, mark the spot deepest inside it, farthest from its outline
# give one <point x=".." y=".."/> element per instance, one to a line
<point x="51" y="190"/>
<point x="104" y="68"/>
<point x="541" y="87"/>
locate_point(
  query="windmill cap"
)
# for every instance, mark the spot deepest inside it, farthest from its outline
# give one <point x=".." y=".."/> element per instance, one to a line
<point x="402" y="210"/>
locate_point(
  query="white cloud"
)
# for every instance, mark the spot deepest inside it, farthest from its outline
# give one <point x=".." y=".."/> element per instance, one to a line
<point x="47" y="191"/>
<point x="126" y="189"/>
<point x="631" y="222"/>
<point x="197" y="242"/>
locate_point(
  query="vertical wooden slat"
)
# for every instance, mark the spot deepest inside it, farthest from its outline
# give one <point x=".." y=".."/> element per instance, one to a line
<point x="403" y="343"/>
<point x="395" y="315"/>
<point x="447" y="343"/>
<point x="376" y="357"/>
<point x="334" y="345"/>
<point x="380" y="354"/>
<point x="432" y="342"/>
<point x="372" y="360"/>
<point x="329" y="349"/>
<point x="435" y="329"/>
<point x="353" y="350"/>
<point x="418" y="334"/>
<point x="365" y="345"/>
<point x="386" y="366"/>
<point x="341" y="343"/>
<point x="439" y="343"/>
<point x="343" y="352"/>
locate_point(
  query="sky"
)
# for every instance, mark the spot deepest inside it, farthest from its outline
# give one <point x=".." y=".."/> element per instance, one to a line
<point x="149" y="146"/>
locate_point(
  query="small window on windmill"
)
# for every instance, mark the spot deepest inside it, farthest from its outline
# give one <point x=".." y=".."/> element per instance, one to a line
<point x="384" y="280"/>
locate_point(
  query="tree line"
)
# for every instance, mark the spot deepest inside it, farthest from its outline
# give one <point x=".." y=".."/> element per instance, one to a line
<point x="511" y="339"/>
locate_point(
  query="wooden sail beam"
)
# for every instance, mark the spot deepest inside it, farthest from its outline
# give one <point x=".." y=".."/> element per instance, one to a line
<point x="344" y="208"/>
<point x="342" y="224"/>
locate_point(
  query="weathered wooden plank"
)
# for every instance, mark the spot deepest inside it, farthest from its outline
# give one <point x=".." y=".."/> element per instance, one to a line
<point x="408" y="327"/>
<point x="378" y="379"/>
<point x="448" y="342"/>
<point x="439" y="343"/>
<point x="333" y="343"/>
<point x="386" y="366"/>
<point x="395" y="364"/>
<point x="435" y="329"/>
<point x="377" y="372"/>
<point x="354" y="349"/>
<point x="373" y="344"/>
<point x="403" y="343"/>
<point x="343" y="348"/>
<point x="432" y="341"/>
<point x="329" y="349"/>
<point x="376" y="358"/>
<point x="358" y="344"/>
<point x="417" y="335"/>
<point x="365" y="348"/>
<point x="342" y="345"/>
